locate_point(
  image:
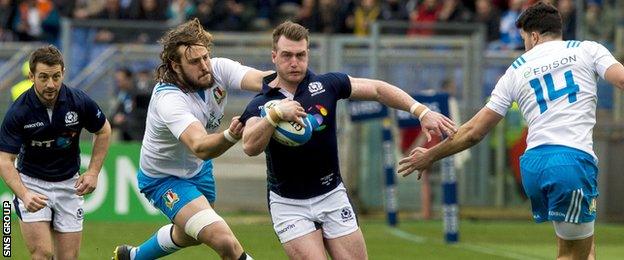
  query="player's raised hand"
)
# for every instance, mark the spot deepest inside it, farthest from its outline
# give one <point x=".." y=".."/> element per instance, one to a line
<point x="418" y="160"/>
<point x="86" y="183"/>
<point x="290" y="110"/>
<point x="33" y="201"/>
<point x="236" y="128"/>
<point x="436" y="123"/>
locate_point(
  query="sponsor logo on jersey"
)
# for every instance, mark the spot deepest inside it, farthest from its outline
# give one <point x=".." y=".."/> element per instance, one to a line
<point x="219" y="94"/>
<point x="71" y="118"/>
<point x="33" y="125"/>
<point x="170" y="198"/>
<point x="315" y="88"/>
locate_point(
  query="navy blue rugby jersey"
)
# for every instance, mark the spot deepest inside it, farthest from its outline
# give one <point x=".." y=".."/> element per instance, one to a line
<point x="47" y="148"/>
<point x="311" y="169"/>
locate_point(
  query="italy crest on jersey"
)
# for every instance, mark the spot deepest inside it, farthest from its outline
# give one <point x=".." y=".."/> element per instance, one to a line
<point x="219" y="94"/>
<point x="170" y="198"/>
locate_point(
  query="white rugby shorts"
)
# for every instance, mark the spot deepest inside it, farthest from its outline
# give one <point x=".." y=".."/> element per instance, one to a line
<point x="64" y="207"/>
<point x="332" y="212"/>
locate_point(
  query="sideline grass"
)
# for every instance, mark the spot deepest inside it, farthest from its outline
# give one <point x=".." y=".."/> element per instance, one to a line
<point x="411" y="240"/>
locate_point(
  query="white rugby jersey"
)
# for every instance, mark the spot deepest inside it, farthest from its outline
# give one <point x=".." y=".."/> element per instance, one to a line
<point x="171" y="111"/>
<point x="555" y="87"/>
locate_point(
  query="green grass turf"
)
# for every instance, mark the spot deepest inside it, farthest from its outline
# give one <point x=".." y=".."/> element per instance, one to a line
<point x="411" y="240"/>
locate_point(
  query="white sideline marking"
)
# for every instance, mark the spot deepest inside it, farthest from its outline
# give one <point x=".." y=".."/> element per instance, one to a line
<point x="475" y="248"/>
<point x="407" y="236"/>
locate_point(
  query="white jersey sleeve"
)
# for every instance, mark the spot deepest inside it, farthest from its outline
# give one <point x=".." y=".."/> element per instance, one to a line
<point x="174" y="112"/>
<point x="502" y="95"/>
<point x="228" y="73"/>
<point x="601" y="57"/>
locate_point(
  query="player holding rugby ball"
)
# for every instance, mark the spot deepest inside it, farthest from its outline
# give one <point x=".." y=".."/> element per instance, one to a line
<point x="308" y="203"/>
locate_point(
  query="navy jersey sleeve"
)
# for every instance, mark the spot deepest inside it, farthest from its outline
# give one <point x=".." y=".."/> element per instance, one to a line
<point x="93" y="116"/>
<point x="340" y="83"/>
<point x="10" y="135"/>
<point x="252" y="108"/>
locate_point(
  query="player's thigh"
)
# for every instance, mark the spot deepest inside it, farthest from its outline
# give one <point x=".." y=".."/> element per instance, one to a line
<point x="205" y="183"/>
<point x="309" y="246"/>
<point x="350" y="246"/>
<point x="68" y="214"/>
<point x="169" y="194"/>
<point x="572" y="192"/>
<point x="292" y="218"/>
<point x="67" y="245"/>
<point x="213" y="233"/>
<point x="37" y="236"/>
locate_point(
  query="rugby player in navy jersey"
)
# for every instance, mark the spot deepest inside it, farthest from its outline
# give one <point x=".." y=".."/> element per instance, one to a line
<point x="41" y="131"/>
<point x="308" y="202"/>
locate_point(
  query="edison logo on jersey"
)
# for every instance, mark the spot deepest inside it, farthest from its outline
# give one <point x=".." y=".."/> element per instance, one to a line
<point x="553" y="65"/>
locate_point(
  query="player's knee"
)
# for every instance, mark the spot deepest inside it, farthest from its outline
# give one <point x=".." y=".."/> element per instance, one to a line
<point x="199" y="221"/>
<point x="573" y="231"/>
<point x="41" y="253"/>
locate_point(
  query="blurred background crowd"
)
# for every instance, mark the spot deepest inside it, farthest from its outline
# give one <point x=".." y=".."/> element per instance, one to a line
<point x="39" y="20"/>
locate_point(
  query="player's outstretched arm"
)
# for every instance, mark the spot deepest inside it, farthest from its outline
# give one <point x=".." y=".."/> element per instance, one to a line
<point x="469" y="134"/>
<point x="208" y="146"/>
<point x="258" y="131"/>
<point x="252" y="80"/>
<point x="615" y="75"/>
<point x="392" y="96"/>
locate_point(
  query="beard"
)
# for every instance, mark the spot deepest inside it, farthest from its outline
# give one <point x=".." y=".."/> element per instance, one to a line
<point x="47" y="97"/>
<point x="194" y="85"/>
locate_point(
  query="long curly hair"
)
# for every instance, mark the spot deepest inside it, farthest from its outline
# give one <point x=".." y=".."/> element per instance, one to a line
<point x="187" y="34"/>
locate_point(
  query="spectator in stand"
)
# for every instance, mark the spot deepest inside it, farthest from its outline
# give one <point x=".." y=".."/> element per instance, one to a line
<point x="425" y="13"/>
<point x="599" y="23"/>
<point x="37" y="20"/>
<point x="394" y="10"/>
<point x="365" y="13"/>
<point x="329" y="16"/>
<point x="112" y="11"/>
<point x="510" y="35"/>
<point x="87" y="8"/>
<point x="454" y="11"/>
<point x="568" y="18"/>
<point x="128" y="119"/>
<point x="180" y="11"/>
<point x="7" y="12"/>
<point x="151" y="10"/>
<point x="486" y="13"/>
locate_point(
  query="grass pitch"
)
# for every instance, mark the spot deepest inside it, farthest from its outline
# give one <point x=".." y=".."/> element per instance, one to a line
<point x="413" y="239"/>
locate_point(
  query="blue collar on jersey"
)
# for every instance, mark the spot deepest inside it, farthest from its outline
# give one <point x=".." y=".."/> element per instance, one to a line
<point x="267" y="79"/>
<point x="34" y="100"/>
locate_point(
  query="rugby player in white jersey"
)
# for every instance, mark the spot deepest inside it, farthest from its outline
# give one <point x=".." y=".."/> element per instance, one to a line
<point x="181" y="138"/>
<point x="554" y="82"/>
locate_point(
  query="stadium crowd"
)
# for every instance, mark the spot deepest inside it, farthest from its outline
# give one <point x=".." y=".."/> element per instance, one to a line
<point x="39" y="20"/>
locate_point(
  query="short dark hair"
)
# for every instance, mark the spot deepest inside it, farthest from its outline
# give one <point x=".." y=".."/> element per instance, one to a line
<point x="542" y="18"/>
<point x="48" y="55"/>
<point x="292" y="31"/>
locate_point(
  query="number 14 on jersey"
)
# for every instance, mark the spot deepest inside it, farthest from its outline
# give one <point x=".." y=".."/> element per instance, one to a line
<point x="570" y="90"/>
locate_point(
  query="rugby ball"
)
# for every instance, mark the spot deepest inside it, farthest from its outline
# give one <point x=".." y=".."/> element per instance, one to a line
<point x="291" y="133"/>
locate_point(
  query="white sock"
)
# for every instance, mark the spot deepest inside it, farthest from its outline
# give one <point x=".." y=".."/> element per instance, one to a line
<point x="165" y="241"/>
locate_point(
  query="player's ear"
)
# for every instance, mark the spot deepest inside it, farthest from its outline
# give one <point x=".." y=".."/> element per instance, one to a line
<point x="273" y="55"/>
<point x="176" y="67"/>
